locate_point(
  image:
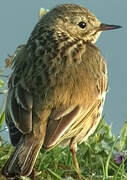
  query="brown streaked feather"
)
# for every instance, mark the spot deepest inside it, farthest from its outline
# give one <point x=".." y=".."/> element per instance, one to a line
<point x="56" y="128"/>
<point x="20" y="109"/>
<point x="24" y="156"/>
<point x="22" y="160"/>
<point x="84" y="125"/>
<point x="24" y="97"/>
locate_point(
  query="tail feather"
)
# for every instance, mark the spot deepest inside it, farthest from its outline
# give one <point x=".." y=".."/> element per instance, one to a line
<point x="23" y="158"/>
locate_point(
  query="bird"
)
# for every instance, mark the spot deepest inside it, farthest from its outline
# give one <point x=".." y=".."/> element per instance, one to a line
<point x="57" y="88"/>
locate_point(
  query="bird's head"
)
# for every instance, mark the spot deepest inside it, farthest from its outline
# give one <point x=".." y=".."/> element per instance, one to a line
<point x="76" y="22"/>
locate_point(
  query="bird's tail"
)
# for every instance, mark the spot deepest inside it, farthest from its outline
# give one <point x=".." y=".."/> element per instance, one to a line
<point x="23" y="158"/>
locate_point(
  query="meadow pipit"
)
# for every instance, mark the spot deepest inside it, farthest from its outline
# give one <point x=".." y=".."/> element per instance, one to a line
<point x="57" y="87"/>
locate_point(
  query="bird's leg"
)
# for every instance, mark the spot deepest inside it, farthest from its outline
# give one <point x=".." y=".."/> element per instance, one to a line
<point x="73" y="149"/>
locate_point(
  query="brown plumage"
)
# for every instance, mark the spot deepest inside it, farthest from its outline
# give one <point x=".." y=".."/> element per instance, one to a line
<point x="57" y="88"/>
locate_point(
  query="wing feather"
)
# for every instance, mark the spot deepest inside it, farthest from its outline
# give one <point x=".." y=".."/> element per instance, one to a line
<point x="18" y="113"/>
<point x="56" y="128"/>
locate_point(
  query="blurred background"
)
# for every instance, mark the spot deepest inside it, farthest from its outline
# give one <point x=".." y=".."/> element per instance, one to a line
<point x="18" y="18"/>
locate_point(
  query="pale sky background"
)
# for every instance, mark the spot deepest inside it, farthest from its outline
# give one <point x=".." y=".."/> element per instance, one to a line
<point x="18" y="18"/>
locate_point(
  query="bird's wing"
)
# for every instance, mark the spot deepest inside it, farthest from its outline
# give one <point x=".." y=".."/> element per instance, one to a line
<point x="18" y="112"/>
<point x="73" y="122"/>
<point x="59" y="123"/>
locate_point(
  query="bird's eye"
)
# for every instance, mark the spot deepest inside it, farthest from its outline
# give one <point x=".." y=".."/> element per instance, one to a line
<point x="82" y="24"/>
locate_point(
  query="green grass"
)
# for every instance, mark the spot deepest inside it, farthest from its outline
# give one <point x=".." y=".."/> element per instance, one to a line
<point x="97" y="157"/>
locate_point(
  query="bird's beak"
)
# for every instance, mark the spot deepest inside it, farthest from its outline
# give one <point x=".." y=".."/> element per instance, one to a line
<point x="104" y="27"/>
